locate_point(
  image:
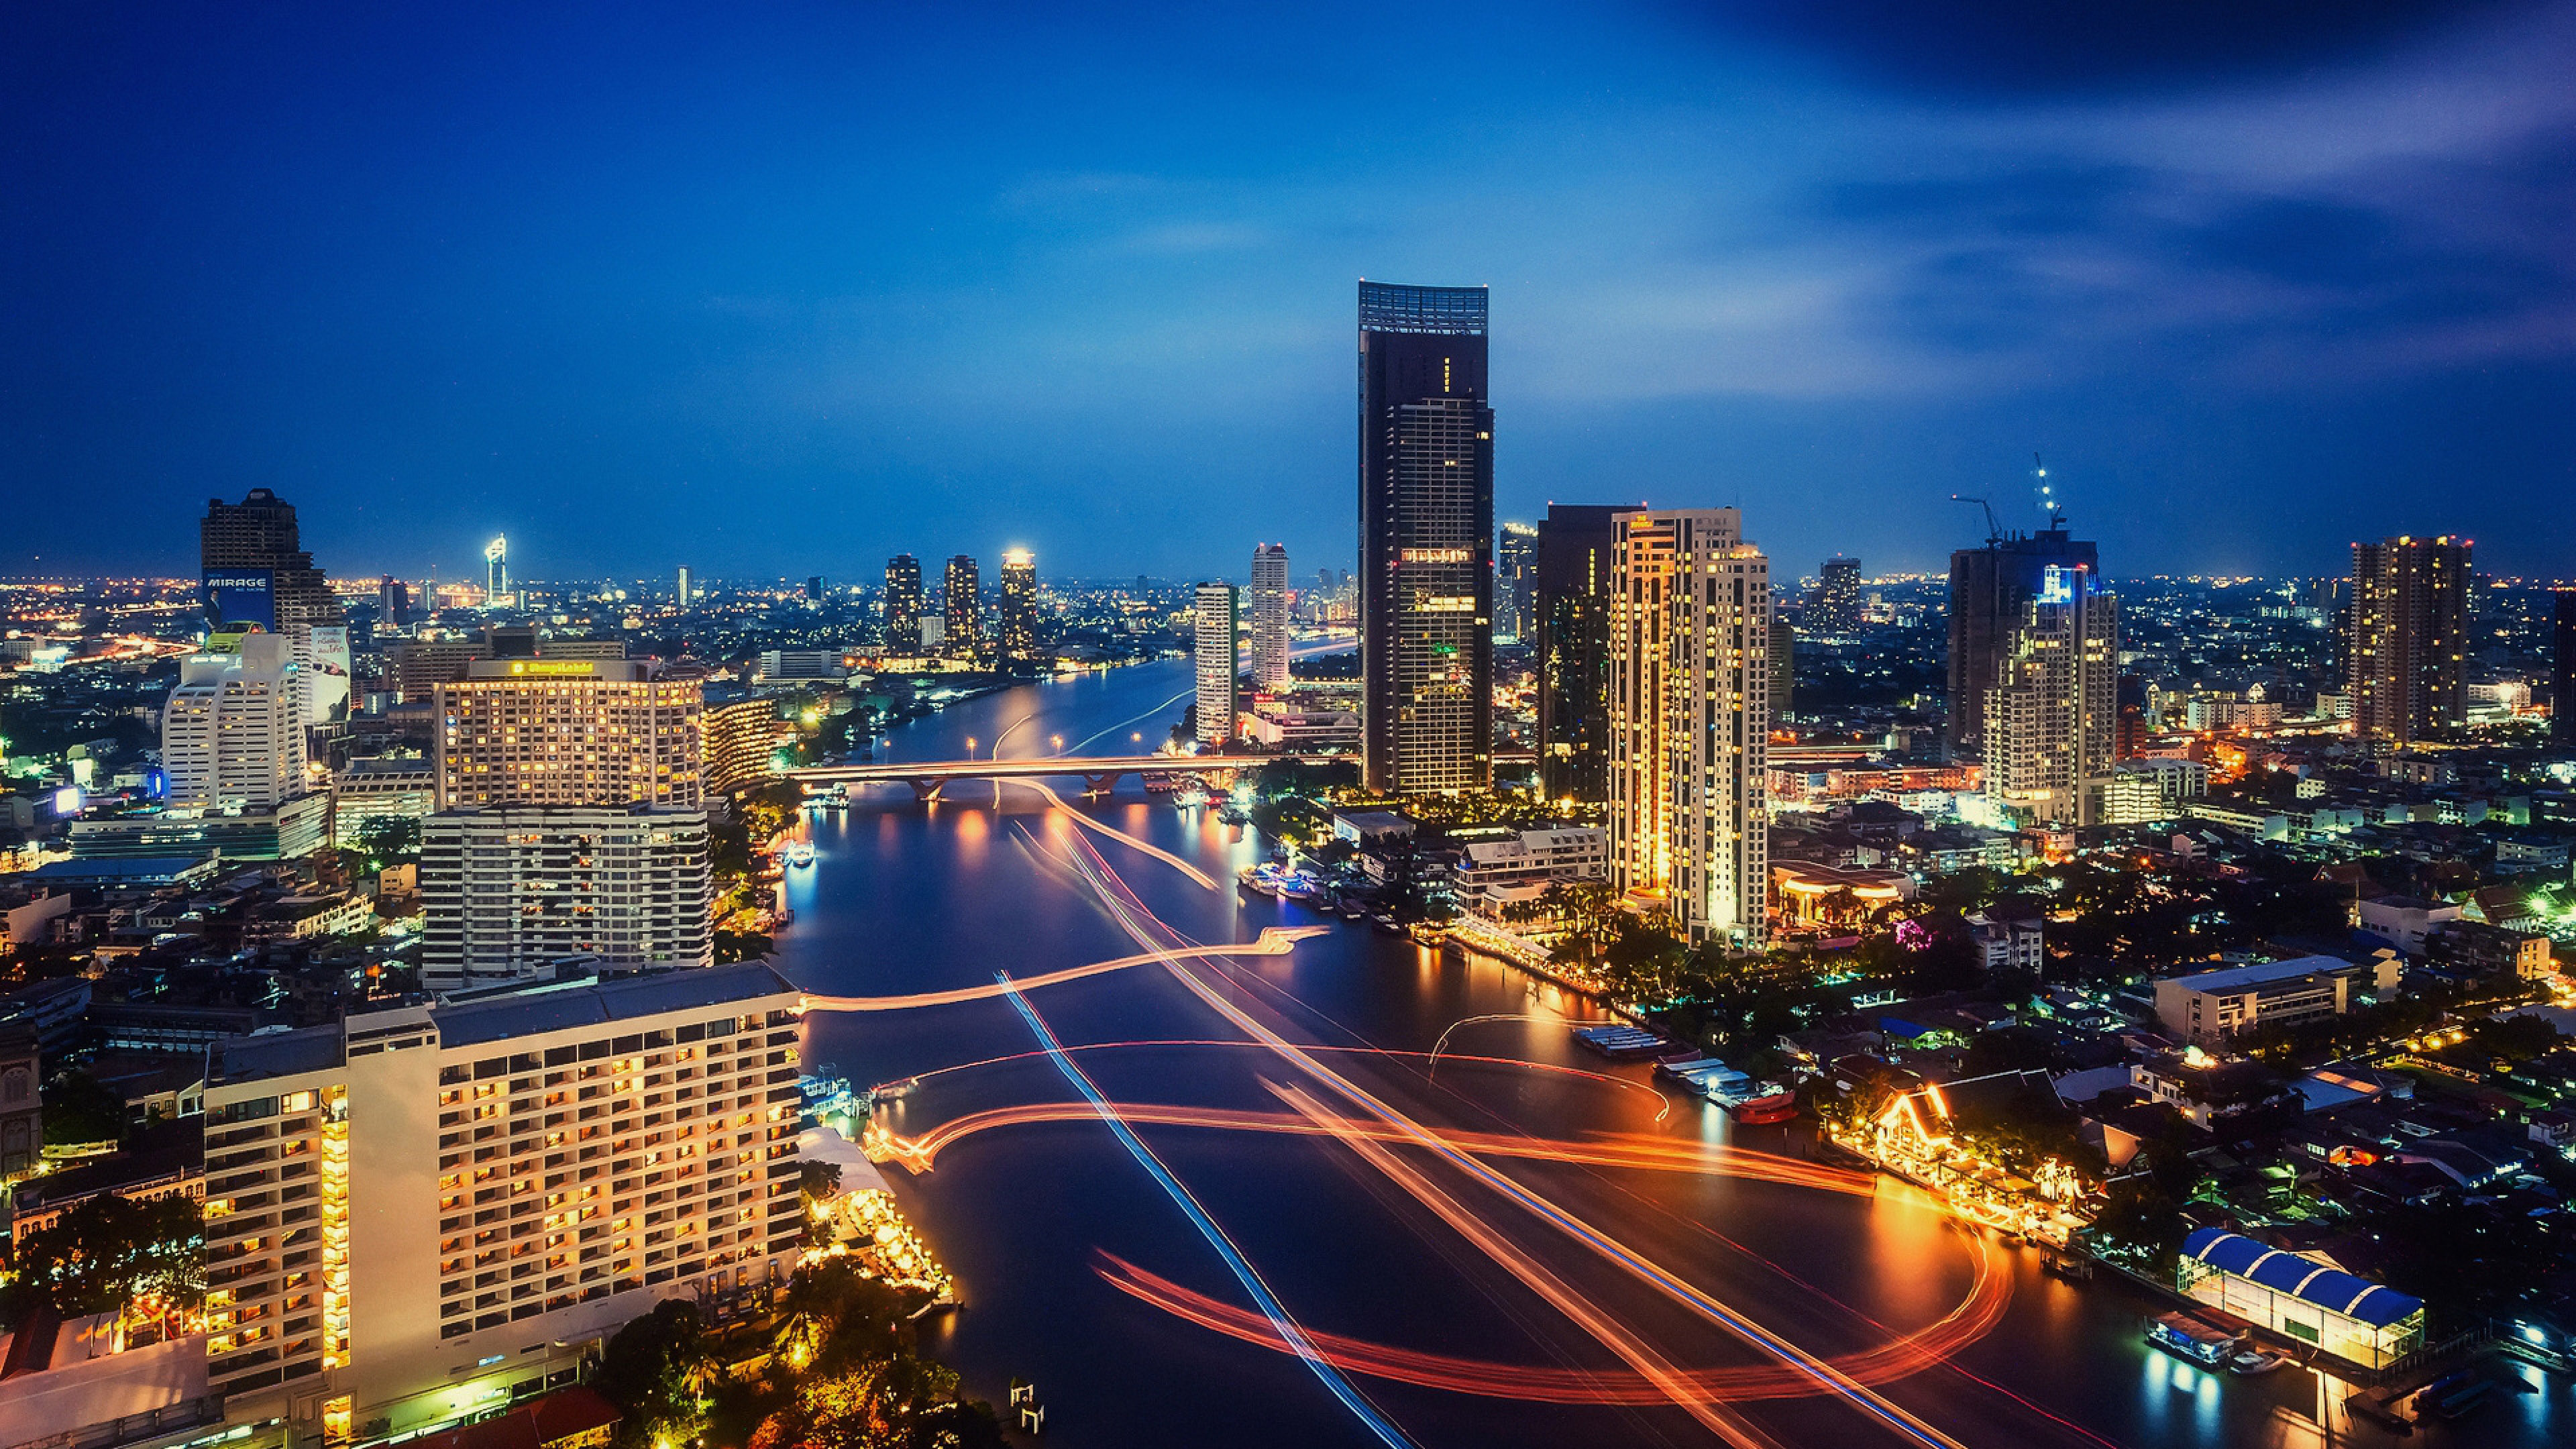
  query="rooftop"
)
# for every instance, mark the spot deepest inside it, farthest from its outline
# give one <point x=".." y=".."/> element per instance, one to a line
<point x="2266" y="973"/>
<point x="548" y="1008"/>
<point x="2302" y="1278"/>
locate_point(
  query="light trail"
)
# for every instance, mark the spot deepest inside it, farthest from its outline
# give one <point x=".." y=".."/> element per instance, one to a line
<point x="1539" y="1383"/>
<point x="1273" y="941"/>
<point x="1550" y="1068"/>
<point x="1640" y="1356"/>
<point x="1087" y="823"/>
<point x="1244" y="1273"/>
<point x="1132" y="914"/>
<point x="1124" y="723"/>
<point x="1433" y="1070"/>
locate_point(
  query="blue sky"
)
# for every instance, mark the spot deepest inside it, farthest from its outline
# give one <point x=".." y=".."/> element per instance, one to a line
<point x="779" y="289"/>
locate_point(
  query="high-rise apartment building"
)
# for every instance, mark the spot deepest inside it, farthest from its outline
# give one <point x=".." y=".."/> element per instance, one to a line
<point x="232" y="733"/>
<point x="569" y="732"/>
<point x="1837" y="607"/>
<point x="1690" y="716"/>
<point x="1989" y="589"/>
<point x="413" y="1215"/>
<point x="1270" y="616"/>
<point x="1426" y="540"/>
<point x="961" y="601"/>
<point x="509" y="892"/>
<point x="1575" y="566"/>
<point x="1213" y="656"/>
<point x="1516" y="584"/>
<point x="2409" y="644"/>
<point x="2562" y="674"/>
<point x="903" y="604"/>
<point x="256" y="569"/>
<point x="742" y="743"/>
<point x="1015" y="613"/>
<point x="2052" y="715"/>
<point x="686" y="595"/>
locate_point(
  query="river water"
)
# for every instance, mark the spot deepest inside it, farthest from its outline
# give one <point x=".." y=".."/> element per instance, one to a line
<point x="1033" y="1217"/>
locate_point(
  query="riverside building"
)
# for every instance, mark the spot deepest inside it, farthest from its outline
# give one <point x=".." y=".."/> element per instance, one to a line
<point x="1270" y="616"/>
<point x="1690" y="678"/>
<point x="1015" y="617"/>
<point x="1213" y="656"/>
<point x="1574" y="567"/>
<point x="961" y="600"/>
<point x="903" y="604"/>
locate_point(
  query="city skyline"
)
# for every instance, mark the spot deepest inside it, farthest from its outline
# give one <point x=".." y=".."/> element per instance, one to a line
<point x="2306" y="261"/>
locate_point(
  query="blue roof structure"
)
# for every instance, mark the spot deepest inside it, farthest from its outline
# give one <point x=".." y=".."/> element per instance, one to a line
<point x="2302" y="1278"/>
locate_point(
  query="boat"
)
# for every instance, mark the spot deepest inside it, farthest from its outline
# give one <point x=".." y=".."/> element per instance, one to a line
<point x="2074" y="1266"/>
<point x="1386" y="923"/>
<point x="2250" y="1360"/>
<point x="800" y="853"/>
<point x="2190" y="1339"/>
<point x="1619" y="1042"/>
<point x="837" y="798"/>
<point x="1298" y="888"/>
<point x="1190" y="796"/>
<point x="1770" y="1103"/>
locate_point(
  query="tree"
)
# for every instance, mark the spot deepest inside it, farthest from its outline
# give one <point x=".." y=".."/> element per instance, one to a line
<point x="108" y="1253"/>
<point x="79" y="1109"/>
<point x="390" y="839"/>
<point x="657" y="1371"/>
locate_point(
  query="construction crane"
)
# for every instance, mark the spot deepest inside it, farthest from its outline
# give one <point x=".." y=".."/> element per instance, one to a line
<point x="1994" y="530"/>
<point x="2047" y="498"/>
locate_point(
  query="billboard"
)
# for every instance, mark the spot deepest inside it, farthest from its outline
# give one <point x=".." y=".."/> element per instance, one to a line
<point x="240" y="596"/>
<point x="328" y="697"/>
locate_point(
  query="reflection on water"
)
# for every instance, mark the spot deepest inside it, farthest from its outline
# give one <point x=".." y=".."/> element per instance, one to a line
<point x="909" y="898"/>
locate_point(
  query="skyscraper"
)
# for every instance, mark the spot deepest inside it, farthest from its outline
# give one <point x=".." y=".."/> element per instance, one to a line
<point x="570" y="732"/>
<point x="903" y="604"/>
<point x="685" y="595"/>
<point x="2562" y="675"/>
<point x="393" y="600"/>
<point x="1784" y="665"/>
<point x="1213" y="655"/>
<point x="1690" y="715"/>
<point x="2052" y="715"/>
<point x="813" y="588"/>
<point x="232" y="733"/>
<point x="1988" y="588"/>
<point x="256" y="569"/>
<point x="961" y="599"/>
<point x="1426" y="539"/>
<point x="2409" y="644"/>
<point x="1575" y="566"/>
<point x="1837" y="607"/>
<point x="1015" y="622"/>
<point x="1515" y="584"/>
<point x="496" y="573"/>
<point x="1270" y="616"/>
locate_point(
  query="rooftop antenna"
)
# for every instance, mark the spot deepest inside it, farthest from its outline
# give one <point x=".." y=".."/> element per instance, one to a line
<point x="2048" y="499"/>
<point x="1994" y="530"/>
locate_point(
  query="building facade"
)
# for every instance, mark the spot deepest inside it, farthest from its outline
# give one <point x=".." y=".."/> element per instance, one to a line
<point x="1426" y="540"/>
<point x="569" y="732"/>
<point x="2409" y="645"/>
<point x="1690" y="680"/>
<point x="1270" y="616"/>
<point x="903" y="604"/>
<point x="1516" y="584"/>
<point x="1989" y="589"/>
<point x="1015" y="613"/>
<point x="1212" y="655"/>
<point x="1575" y="565"/>
<point x="509" y="892"/>
<point x="232" y="733"/>
<point x="1836" y="609"/>
<point x="742" y="740"/>
<point x="415" y="1214"/>
<point x="2053" y="713"/>
<point x="961" y="602"/>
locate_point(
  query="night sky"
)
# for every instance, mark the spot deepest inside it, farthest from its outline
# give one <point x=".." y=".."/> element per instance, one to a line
<point x="777" y="289"/>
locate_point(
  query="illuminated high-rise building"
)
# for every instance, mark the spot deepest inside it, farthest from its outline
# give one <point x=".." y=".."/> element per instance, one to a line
<point x="1574" y="568"/>
<point x="1015" y="613"/>
<point x="1426" y="540"/>
<point x="1837" y="607"/>
<point x="1516" y="585"/>
<point x="569" y="732"/>
<point x="2052" y="715"/>
<point x="232" y="733"/>
<point x="1989" y="588"/>
<point x="903" y="604"/>
<point x="961" y="600"/>
<point x="1690" y="716"/>
<point x="1270" y="616"/>
<point x="1214" y="660"/>
<point x="2408" y="648"/>
<point x="685" y="595"/>
<point x="496" y="573"/>
<point x="416" y="1214"/>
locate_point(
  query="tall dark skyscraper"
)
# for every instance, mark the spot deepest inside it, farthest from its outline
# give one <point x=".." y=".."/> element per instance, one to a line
<point x="2408" y="651"/>
<point x="1571" y="626"/>
<point x="962" y="596"/>
<point x="1426" y="539"/>
<point x="1989" y="588"/>
<point x="903" y="602"/>
<point x="2562" y="675"/>
<point x="256" y="569"/>
<point x="1015" y="622"/>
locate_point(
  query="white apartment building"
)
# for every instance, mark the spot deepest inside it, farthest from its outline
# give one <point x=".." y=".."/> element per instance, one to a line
<point x="232" y="733"/>
<point x="1690" y="711"/>
<point x="508" y="891"/>
<point x="1491" y="872"/>
<point x="569" y="732"/>
<point x="1270" y="616"/>
<point x="2143" y="791"/>
<point x="1213" y="650"/>
<point x="2051" y="713"/>
<point x="420" y="1213"/>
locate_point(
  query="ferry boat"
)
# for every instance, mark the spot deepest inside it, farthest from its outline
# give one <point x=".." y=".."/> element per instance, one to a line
<point x="837" y="798"/>
<point x="1386" y="923"/>
<point x="1619" y="1041"/>
<point x="800" y="852"/>
<point x="2189" y="1338"/>
<point x="1768" y="1104"/>
<point x="1191" y="796"/>
<point x="1258" y="879"/>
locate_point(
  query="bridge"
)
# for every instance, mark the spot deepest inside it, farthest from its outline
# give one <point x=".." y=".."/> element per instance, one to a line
<point x="1099" y="773"/>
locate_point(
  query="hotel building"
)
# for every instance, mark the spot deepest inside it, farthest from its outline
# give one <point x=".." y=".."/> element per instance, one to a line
<point x="569" y="732"/>
<point x="509" y="891"/>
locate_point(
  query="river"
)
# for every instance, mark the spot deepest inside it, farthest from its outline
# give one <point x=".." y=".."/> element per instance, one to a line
<point x="1035" y="1218"/>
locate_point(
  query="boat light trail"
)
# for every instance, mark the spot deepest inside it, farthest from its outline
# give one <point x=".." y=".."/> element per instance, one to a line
<point x="1274" y="941"/>
<point x="1244" y="1273"/>
<point x="1114" y="833"/>
<point x="1124" y="723"/>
